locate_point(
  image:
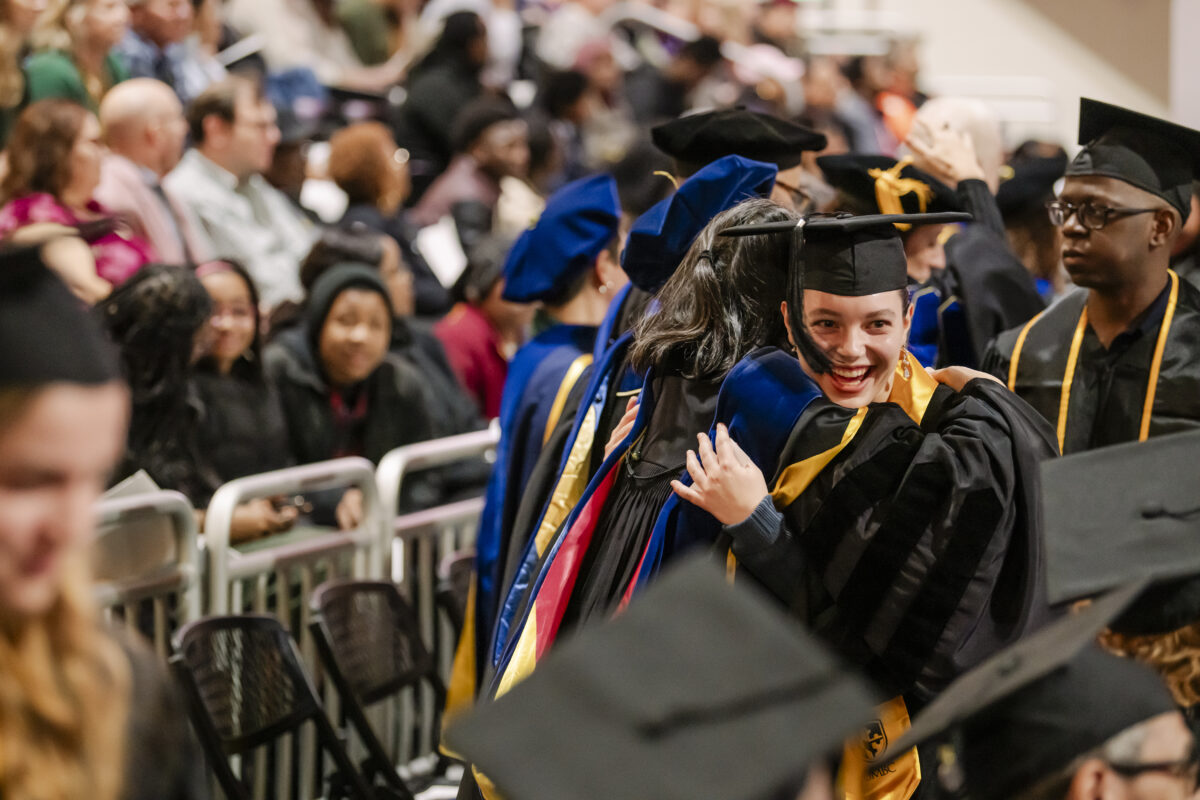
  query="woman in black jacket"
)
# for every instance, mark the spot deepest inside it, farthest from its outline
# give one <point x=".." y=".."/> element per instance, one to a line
<point x="343" y="393"/>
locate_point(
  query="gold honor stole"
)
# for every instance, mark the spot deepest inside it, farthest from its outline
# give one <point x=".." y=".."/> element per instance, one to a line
<point x="912" y="390"/>
<point x="1073" y="358"/>
<point x="461" y="689"/>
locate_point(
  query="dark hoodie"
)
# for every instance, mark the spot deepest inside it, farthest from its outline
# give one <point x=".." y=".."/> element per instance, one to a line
<point x="387" y="410"/>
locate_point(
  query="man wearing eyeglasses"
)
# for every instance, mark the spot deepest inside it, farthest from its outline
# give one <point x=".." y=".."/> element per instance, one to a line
<point x="1118" y="360"/>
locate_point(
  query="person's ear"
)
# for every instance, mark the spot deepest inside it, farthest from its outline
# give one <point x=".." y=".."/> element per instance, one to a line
<point x="1165" y="226"/>
<point x="216" y="129"/>
<point x="787" y="322"/>
<point x="908" y="317"/>
<point x="1092" y="781"/>
<point x="607" y="271"/>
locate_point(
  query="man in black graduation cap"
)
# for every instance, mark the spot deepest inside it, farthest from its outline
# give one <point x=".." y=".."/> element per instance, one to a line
<point x="695" y="140"/>
<point x="1118" y="360"/>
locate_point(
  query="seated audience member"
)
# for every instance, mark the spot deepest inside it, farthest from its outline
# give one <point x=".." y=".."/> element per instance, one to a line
<point x="483" y="330"/>
<point x="17" y="21"/>
<point x="366" y="164"/>
<point x="160" y="322"/>
<point x="54" y="158"/>
<point x="220" y="181"/>
<point x="241" y="423"/>
<point x="81" y="64"/>
<point x="439" y="86"/>
<point x="144" y="129"/>
<point x="491" y="143"/>
<point x="155" y="46"/>
<point x="343" y="394"/>
<point x="307" y="34"/>
<point x="289" y="163"/>
<point x="86" y="711"/>
<point x="412" y="340"/>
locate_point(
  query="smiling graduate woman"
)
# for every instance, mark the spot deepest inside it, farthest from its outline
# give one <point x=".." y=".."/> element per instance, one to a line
<point x="67" y="726"/>
<point x="900" y="521"/>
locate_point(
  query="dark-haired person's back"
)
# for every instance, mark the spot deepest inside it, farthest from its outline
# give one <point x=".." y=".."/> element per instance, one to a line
<point x="439" y="87"/>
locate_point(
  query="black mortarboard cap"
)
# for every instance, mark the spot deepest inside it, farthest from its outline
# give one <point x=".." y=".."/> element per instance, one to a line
<point x="1032" y="708"/>
<point x="1152" y="154"/>
<point x="699" y="689"/>
<point x="1031" y="184"/>
<point x="1144" y="526"/>
<point x="47" y="335"/>
<point x="698" y="139"/>
<point x="887" y="186"/>
<point x="843" y="255"/>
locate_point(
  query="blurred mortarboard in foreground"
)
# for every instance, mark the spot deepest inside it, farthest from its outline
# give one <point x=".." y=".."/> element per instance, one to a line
<point x="1123" y="513"/>
<point x="579" y="221"/>
<point x="1152" y="154"/>
<point x="1034" y="707"/>
<point x="47" y="334"/>
<point x="698" y="139"/>
<point x="887" y="186"/>
<point x="660" y="238"/>
<point x="843" y="255"/>
<point x="699" y="689"/>
<point x="1031" y="184"/>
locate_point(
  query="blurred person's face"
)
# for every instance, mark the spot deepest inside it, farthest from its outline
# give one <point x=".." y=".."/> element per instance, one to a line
<point x="105" y="22"/>
<point x="169" y="131"/>
<point x="925" y="251"/>
<point x="86" y="155"/>
<point x="355" y="337"/>
<point x="503" y="149"/>
<point x="477" y="49"/>
<point x="22" y="15"/>
<point x="163" y="22"/>
<point x="823" y="81"/>
<point x="232" y="324"/>
<point x="778" y="21"/>
<point x="254" y="135"/>
<point x="55" y="459"/>
<point x="862" y="336"/>
<point x="397" y="277"/>
<point x="603" y="73"/>
<point x="1168" y="741"/>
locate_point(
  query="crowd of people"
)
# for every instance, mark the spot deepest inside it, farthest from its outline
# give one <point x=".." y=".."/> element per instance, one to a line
<point x="723" y="295"/>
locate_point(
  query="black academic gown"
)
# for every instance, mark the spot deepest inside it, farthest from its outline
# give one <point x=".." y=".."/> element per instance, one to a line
<point x="1127" y="392"/>
<point x="992" y="286"/>
<point x="907" y="536"/>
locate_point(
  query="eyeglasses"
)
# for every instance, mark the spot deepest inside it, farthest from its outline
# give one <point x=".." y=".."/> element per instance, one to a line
<point x="1090" y="216"/>
<point x="1186" y="769"/>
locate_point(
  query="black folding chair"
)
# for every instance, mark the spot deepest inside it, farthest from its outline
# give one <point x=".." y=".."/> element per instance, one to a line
<point x="370" y="645"/>
<point x="246" y="687"/>
<point x="454" y="587"/>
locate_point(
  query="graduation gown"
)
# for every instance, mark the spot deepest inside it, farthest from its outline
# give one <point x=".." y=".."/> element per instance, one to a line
<point x="1146" y="383"/>
<point x="540" y="377"/>
<point x="984" y="290"/>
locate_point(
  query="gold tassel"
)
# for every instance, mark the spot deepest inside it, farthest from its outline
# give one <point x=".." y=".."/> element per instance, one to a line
<point x="890" y="187"/>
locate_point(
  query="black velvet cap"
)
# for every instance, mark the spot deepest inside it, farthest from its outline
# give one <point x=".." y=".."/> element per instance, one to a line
<point x="1034" y="707"/>
<point x="698" y="139"/>
<point x="873" y="183"/>
<point x="699" y="689"/>
<point x="1123" y="513"/>
<point x="47" y="335"/>
<point x="851" y="256"/>
<point x="1152" y="154"/>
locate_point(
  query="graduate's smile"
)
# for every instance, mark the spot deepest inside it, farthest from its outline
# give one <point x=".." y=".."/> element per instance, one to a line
<point x="851" y="380"/>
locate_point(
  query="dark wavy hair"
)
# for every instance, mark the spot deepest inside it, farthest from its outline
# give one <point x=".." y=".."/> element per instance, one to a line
<point x="723" y="300"/>
<point x="153" y="318"/>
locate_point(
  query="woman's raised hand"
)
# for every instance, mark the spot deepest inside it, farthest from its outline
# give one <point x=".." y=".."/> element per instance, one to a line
<point x="725" y="482"/>
<point x="958" y="377"/>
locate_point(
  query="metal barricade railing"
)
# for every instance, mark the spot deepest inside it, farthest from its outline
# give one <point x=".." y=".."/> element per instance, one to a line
<point x="147" y="563"/>
<point x="417" y="543"/>
<point x="277" y="576"/>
